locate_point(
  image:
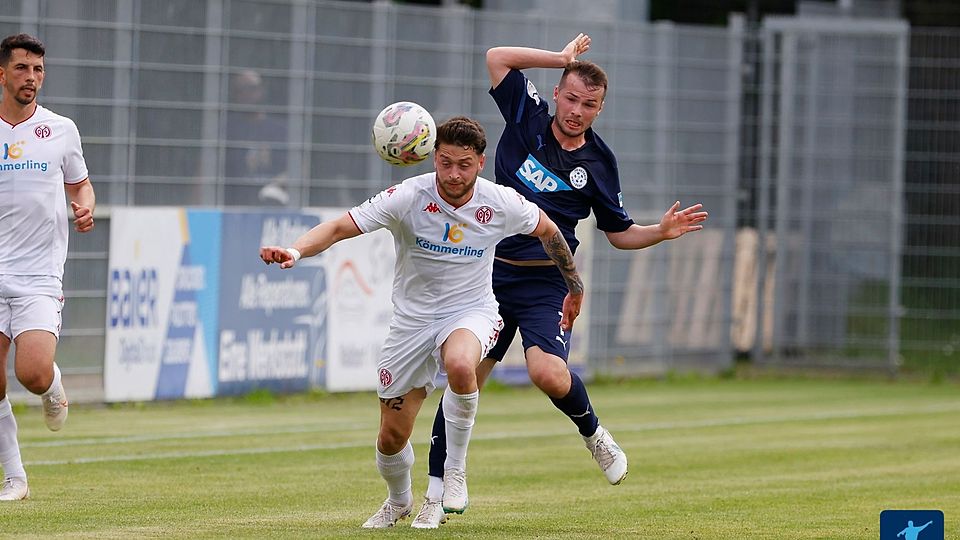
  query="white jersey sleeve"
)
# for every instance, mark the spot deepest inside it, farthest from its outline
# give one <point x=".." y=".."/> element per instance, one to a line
<point x="523" y="216"/>
<point x="74" y="167"/>
<point x="384" y="210"/>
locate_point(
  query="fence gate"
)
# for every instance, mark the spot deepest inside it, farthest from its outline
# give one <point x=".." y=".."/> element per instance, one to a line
<point x="830" y="191"/>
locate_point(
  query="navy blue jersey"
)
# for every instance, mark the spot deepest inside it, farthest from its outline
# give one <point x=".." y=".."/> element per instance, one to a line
<point x="565" y="184"/>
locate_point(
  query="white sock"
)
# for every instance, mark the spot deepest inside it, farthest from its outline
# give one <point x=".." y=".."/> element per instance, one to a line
<point x="459" y="411"/>
<point x="9" y="447"/>
<point x="56" y="379"/>
<point x="434" y="488"/>
<point x="395" y="470"/>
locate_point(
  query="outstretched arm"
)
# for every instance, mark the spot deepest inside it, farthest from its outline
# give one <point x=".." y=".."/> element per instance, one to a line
<point x="312" y="242"/>
<point x="559" y="252"/>
<point x="674" y="224"/>
<point x="500" y="60"/>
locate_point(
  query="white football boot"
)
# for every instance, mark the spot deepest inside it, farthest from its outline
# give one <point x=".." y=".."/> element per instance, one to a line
<point x="609" y="455"/>
<point x="14" y="489"/>
<point x="431" y="515"/>
<point x="455" y="499"/>
<point x="388" y="515"/>
<point x="55" y="408"/>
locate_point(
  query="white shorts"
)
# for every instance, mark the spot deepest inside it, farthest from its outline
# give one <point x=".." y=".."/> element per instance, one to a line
<point x="30" y="303"/>
<point x="411" y="355"/>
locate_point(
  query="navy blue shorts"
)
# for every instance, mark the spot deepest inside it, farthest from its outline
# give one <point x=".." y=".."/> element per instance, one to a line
<point x="531" y="298"/>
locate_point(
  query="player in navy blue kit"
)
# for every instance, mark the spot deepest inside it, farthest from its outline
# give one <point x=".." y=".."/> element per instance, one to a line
<point x="560" y="163"/>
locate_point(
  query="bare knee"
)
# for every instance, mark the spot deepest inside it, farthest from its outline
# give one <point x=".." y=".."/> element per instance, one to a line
<point x="33" y="363"/>
<point x="35" y="378"/>
<point x="391" y="440"/>
<point x="550" y="374"/>
<point x="461" y="354"/>
<point x="461" y="373"/>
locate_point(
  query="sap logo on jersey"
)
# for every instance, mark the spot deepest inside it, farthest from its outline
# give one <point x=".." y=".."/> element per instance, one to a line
<point x="539" y="178"/>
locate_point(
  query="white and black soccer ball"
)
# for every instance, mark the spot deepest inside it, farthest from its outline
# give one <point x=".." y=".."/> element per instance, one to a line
<point x="404" y="133"/>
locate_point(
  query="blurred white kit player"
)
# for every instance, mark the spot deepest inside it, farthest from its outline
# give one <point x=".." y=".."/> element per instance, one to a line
<point x="41" y="162"/>
<point x="445" y="227"/>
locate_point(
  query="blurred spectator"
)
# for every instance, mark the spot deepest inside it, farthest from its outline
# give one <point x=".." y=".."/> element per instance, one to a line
<point x="256" y="165"/>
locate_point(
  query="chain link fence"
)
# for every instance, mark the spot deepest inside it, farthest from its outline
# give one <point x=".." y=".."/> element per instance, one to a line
<point x="826" y="151"/>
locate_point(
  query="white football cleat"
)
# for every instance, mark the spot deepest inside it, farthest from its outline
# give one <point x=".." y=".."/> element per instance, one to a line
<point x="14" y="489"/>
<point x="609" y="455"/>
<point x="431" y="515"/>
<point x="455" y="491"/>
<point x="387" y="516"/>
<point x="55" y="408"/>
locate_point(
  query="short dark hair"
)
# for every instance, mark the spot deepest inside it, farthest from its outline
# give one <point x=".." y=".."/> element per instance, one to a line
<point x="20" y="41"/>
<point x="462" y="131"/>
<point x="592" y="74"/>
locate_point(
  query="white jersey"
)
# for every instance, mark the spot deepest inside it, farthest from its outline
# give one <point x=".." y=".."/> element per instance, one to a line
<point x="444" y="254"/>
<point x="37" y="156"/>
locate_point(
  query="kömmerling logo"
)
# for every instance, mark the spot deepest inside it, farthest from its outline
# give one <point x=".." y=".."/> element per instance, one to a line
<point x="15" y="152"/>
<point x="465" y="251"/>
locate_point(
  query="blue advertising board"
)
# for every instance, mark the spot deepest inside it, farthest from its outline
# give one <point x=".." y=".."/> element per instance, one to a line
<point x="273" y="322"/>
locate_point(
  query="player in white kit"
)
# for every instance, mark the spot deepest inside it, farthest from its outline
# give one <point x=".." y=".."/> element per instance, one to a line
<point x="41" y="163"/>
<point x="445" y="226"/>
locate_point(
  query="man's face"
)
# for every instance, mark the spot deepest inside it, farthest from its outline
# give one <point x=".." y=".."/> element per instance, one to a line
<point x="22" y="77"/>
<point x="249" y="87"/>
<point x="577" y="105"/>
<point x="457" y="171"/>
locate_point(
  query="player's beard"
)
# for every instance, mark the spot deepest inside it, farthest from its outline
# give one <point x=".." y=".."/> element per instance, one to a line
<point x="457" y="191"/>
<point x="23" y="99"/>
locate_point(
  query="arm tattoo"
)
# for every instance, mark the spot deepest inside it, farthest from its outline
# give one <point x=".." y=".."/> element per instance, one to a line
<point x="559" y="252"/>
<point x="393" y="403"/>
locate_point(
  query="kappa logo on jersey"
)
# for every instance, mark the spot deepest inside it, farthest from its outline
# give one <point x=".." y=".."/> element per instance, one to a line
<point x="42" y="131"/>
<point x="389" y="192"/>
<point x="453" y="233"/>
<point x="539" y="178"/>
<point x="578" y="177"/>
<point x="432" y="207"/>
<point x="484" y="215"/>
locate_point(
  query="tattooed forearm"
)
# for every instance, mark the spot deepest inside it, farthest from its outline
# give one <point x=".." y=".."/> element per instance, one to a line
<point x="559" y="252"/>
<point x="392" y="403"/>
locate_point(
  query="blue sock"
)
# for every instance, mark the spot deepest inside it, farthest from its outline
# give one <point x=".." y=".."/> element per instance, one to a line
<point x="438" y="444"/>
<point x="576" y="405"/>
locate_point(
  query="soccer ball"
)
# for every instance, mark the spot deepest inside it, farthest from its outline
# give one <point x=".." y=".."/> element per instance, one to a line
<point x="404" y="133"/>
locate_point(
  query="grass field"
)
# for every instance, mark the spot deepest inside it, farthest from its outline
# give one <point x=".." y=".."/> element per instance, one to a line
<point x="710" y="459"/>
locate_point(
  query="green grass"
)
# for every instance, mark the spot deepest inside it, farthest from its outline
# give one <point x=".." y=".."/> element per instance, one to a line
<point x="710" y="459"/>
